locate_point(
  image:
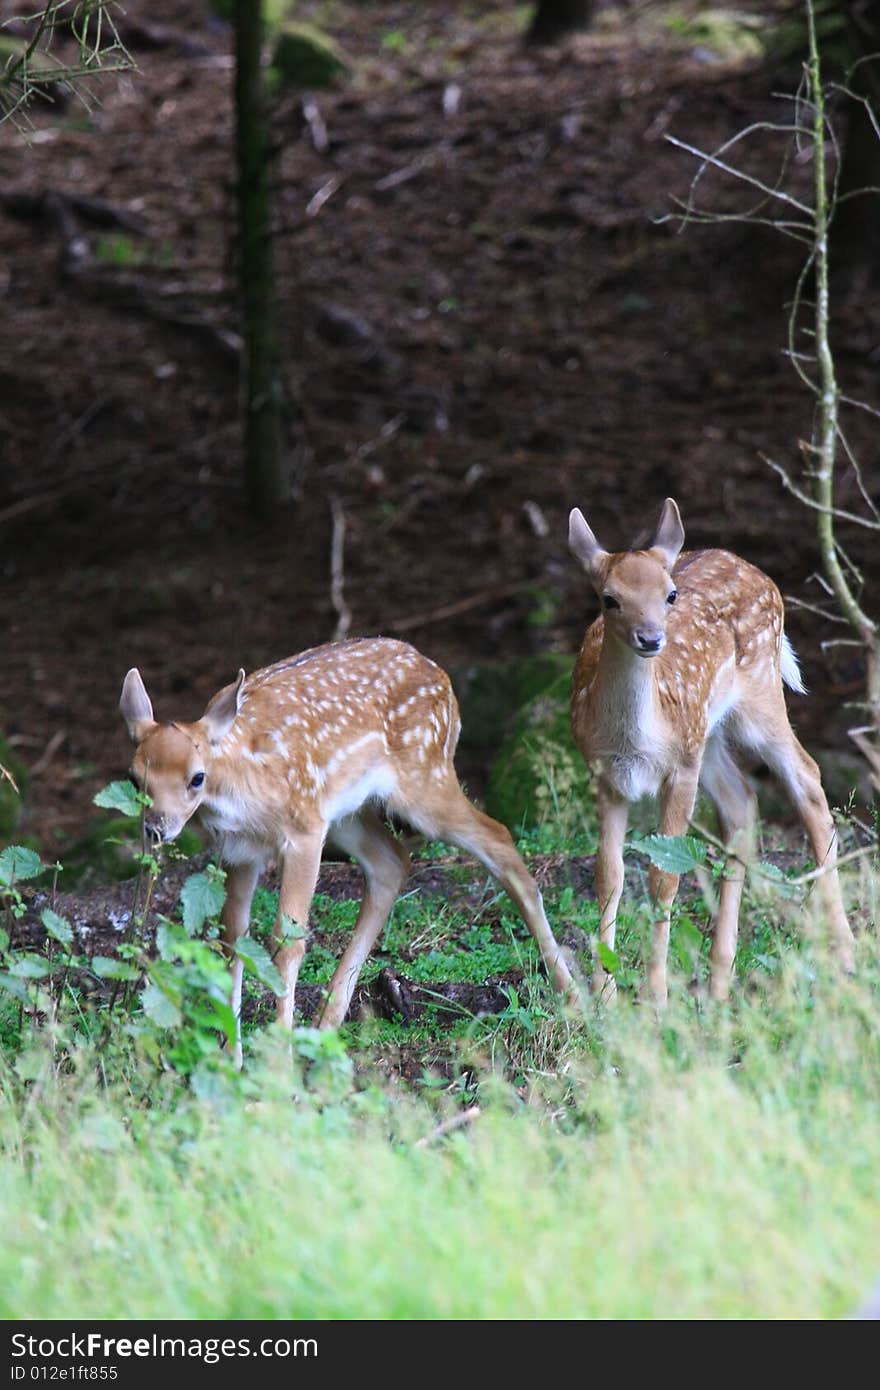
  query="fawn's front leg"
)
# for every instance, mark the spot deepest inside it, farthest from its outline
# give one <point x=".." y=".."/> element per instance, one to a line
<point x="300" y="864"/>
<point x="241" y="880"/>
<point x="613" y="812"/>
<point x="679" y="795"/>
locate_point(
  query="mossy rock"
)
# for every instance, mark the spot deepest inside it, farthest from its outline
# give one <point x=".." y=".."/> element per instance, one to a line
<point x="10" y="799"/>
<point x="304" y="57"/>
<point x="274" y="12"/>
<point x="539" y="776"/>
<point x="491" y="696"/>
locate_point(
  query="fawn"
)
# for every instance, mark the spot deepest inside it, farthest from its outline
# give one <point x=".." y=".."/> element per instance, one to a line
<point x="683" y="670"/>
<point x="307" y="751"/>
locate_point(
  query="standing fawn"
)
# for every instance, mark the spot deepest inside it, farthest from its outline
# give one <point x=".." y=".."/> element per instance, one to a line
<point x="683" y="670"/>
<point x="307" y="751"/>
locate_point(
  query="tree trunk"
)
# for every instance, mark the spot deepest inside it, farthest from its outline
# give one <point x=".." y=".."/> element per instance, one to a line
<point x="266" y="471"/>
<point x="553" y="19"/>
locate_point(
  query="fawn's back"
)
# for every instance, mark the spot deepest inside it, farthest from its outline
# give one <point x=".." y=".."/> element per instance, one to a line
<point x="307" y="741"/>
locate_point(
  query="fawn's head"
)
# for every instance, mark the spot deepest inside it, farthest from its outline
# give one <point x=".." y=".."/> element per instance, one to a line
<point x="635" y="587"/>
<point x="172" y="762"/>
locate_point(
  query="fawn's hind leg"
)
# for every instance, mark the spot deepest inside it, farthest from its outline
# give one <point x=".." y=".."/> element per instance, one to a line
<point x="800" y="776"/>
<point x="735" y="802"/>
<point x="385" y="863"/>
<point x="448" y="815"/>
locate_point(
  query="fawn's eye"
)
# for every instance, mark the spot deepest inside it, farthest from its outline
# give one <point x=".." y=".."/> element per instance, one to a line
<point x="670" y="598"/>
<point x="609" y="601"/>
<point x="196" y="781"/>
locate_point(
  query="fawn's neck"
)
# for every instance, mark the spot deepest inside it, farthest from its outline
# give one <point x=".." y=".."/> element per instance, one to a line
<point x="624" y="700"/>
<point x="620" y="723"/>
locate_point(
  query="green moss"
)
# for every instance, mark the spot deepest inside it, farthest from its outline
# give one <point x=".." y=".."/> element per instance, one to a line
<point x="539" y="775"/>
<point x="304" y="57"/>
<point x="491" y="696"/>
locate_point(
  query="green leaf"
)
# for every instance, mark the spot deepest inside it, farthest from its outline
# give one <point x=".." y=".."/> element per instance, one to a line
<point x="14" y="987"/>
<point x="103" y="1132"/>
<point x="211" y="1083"/>
<point x="16" y="863"/>
<point x="202" y="897"/>
<point x="123" y="797"/>
<point x="773" y="871"/>
<point x="291" y="930"/>
<point x="608" y="958"/>
<point x="674" y="854"/>
<point x="225" y="1020"/>
<point x="168" y="939"/>
<point x="30" y="1065"/>
<point x="28" y="967"/>
<point x="319" y="1045"/>
<point x="157" y="1006"/>
<point x="57" y="926"/>
<point x="109" y="968"/>
<point x="258" y="962"/>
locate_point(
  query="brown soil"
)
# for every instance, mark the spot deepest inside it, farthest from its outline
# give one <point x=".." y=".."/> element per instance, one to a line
<point x="484" y="323"/>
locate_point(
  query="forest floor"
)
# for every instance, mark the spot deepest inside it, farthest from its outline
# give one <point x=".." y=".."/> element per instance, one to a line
<point x="488" y="317"/>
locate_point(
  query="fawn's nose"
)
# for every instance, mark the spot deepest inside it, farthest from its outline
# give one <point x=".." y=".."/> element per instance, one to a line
<point x="649" y="641"/>
<point x="154" y="827"/>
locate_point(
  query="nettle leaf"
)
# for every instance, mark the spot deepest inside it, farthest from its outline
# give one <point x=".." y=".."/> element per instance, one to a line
<point x="223" y="1018"/>
<point x="773" y="871"/>
<point x="16" y="863"/>
<point x="109" y="968"/>
<point x="202" y="897"/>
<point x="259" y="963"/>
<point x="170" y="937"/>
<point x="57" y="926"/>
<point x="291" y="930"/>
<point x="103" y="1132"/>
<point x="608" y="958"/>
<point x="162" y="1010"/>
<point x="121" y="796"/>
<point x="29" y="967"/>
<point x="10" y="985"/>
<point x="674" y="854"/>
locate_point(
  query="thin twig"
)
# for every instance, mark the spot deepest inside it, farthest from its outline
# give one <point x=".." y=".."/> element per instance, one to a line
<point x="4" y="772"/>
<point x="466" y="1117"/>
<point x="738" y="173"/>
<point x="837" y="512"/>
<point x="463" y="605"/>
<point x="337" y="572"/>
<point x="801" y="880"/>
<point x="794" y="602"/>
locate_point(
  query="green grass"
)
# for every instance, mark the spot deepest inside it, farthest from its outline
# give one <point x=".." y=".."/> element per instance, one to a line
<point x="715" y="1164"/>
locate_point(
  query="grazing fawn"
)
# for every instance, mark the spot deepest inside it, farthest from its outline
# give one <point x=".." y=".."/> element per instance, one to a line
<point x="308" y="751"/>
<point x="682" y="671"/>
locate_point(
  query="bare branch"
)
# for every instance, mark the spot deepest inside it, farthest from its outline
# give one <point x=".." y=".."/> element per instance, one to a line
<point x="460" y="1121"/>
<point x="740" y="174"/>
<point x="838" y="513"/>
<point x="860" y="405"/>
<point x="337" y="572"/>
<point x="794" y="602"/>
<point x="704" y="219"/>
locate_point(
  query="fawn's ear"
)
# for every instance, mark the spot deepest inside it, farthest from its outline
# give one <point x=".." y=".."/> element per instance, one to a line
<point x="135" y="706"/>
<point x="669" y="536"/>
<point x="222" y="709"/>
<point x="583" y="544"/>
